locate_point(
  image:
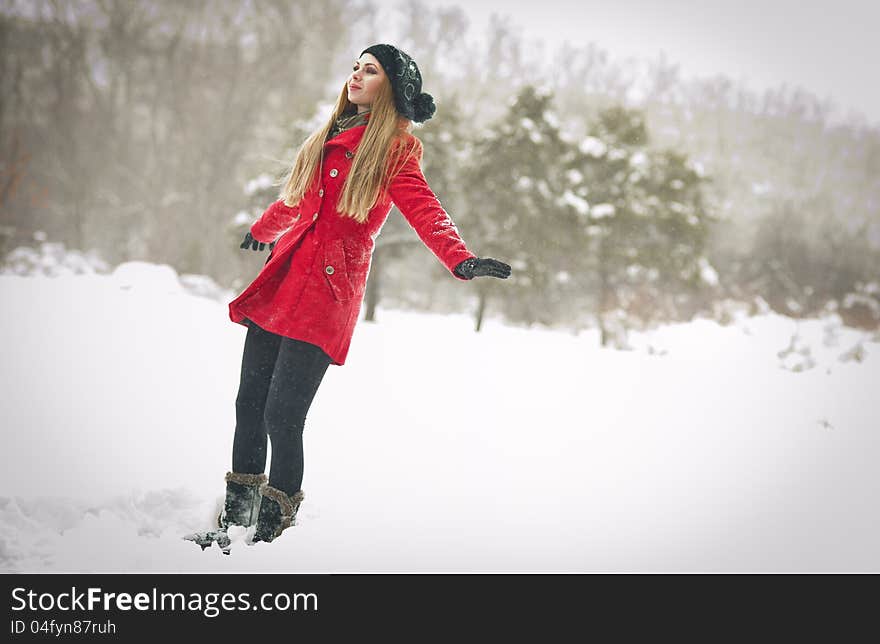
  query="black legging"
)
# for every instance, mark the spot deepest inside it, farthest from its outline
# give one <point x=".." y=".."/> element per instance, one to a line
<point x="279" y="378"/>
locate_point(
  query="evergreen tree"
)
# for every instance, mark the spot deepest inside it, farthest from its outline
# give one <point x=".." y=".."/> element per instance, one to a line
<point x="642" y="223"/>
<point x="514" y="184"/>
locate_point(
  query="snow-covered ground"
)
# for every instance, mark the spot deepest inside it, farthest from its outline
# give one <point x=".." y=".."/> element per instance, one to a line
<point x="436" y="448"/>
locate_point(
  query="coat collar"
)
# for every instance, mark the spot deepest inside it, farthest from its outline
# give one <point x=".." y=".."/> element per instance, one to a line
<point x="354" y="133"/>
<point x="349" y="138"/>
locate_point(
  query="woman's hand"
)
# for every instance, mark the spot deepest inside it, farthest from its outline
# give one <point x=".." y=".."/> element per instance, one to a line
<point x="479" y="267"/>
<point x="254" y="244"/>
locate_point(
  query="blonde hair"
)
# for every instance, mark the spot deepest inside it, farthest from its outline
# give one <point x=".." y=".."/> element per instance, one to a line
<point x="377" y="161"/>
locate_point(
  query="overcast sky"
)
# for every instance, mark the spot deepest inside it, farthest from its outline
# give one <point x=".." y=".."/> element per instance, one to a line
<point x="829" y="47"/>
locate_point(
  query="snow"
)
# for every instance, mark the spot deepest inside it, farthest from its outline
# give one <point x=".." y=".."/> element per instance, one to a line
<point x="639" y="159"/>
<point x="601" y="210"/>
<point x="530" y="126"/>
<point x="592" y="146"/>
<point x="242" y="217"/>
<point x="574" y="176"/>
<point x="552" y="120"/>
<point x="746" y="447"/>
<point x="262" y="182"/>
<point x="708" y="274"/>
<point x="51" y="258"/>
<point x="581" y="205"/>
<point x="866" y="296"/>
<point x="524" y="183"/>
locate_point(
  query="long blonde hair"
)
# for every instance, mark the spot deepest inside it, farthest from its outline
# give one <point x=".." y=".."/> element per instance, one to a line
<point x="373" y="166"/>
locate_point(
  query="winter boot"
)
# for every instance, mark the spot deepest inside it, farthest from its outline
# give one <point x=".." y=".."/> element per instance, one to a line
<point x="242" y="499"/>
<point x="239" y="508"/>
<point x="277" y="512"/>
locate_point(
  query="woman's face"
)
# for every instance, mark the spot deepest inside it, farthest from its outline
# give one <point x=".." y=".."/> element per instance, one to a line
<point x="366" y="77"/>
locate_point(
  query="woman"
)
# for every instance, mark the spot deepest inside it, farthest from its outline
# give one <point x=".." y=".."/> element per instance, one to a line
<point x="302" y="308"/>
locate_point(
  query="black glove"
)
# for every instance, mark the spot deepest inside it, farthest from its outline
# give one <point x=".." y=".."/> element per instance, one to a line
<point x="478" y="267"/>
<point x="253" y="243"/>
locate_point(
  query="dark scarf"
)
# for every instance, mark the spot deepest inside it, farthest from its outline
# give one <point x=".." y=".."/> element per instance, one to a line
<point x="346" y="122"/>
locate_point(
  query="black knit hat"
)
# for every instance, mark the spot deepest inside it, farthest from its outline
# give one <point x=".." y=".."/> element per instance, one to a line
<point x="406" y="82"/>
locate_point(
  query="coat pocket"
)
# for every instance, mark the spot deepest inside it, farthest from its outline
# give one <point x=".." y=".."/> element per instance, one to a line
<point x="335" y="270"/>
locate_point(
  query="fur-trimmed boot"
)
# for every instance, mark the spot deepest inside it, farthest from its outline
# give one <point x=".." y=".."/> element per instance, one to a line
<point x="242" y="499"/>
<point x="277" y="512"/>
<point x="239" y="508"/>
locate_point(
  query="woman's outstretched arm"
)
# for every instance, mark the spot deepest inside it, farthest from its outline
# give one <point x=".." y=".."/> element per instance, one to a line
<point x="276" y="219"/>
<point x="421" y="208"/>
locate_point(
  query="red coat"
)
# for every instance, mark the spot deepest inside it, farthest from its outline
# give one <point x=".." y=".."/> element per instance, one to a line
<point x="312" y="286"/>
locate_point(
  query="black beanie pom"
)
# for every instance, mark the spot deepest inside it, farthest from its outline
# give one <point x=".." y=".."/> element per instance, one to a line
<point x="424" y="107"/>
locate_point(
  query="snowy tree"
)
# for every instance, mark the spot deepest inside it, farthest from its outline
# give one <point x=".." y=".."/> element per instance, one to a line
<point x="643" y="224"/>
<point x="514" y="185"/>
